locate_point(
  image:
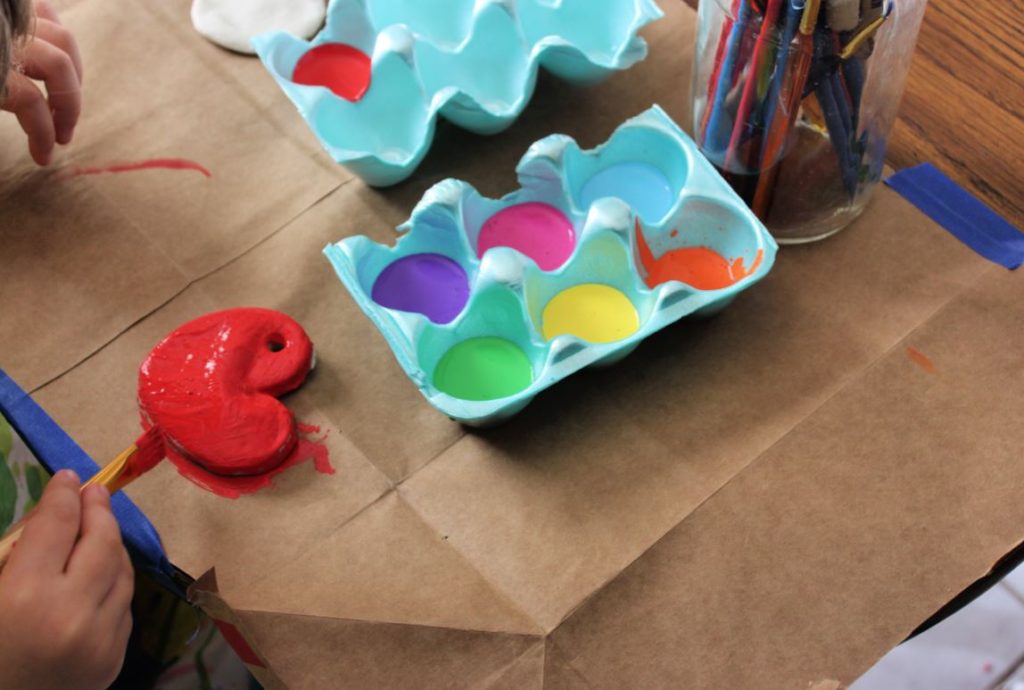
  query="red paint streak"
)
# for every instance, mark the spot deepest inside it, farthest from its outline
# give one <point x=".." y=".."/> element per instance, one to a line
<point x="698" y="267"/>
<point x="674" y="234"/>
<point x="211" y="388"/>
<point x="341" y="68"/>
<point x="152" y="164"/>
<point x="987" y="668"/>
<point x="238" y="643"/>
<point x="922" y="360"/>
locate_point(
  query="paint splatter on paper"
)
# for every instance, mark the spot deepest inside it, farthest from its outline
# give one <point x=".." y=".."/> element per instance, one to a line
<point x="922" y="360"/>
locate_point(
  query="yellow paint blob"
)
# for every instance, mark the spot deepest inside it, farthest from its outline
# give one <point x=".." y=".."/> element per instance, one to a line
<point x="591" y="312"/>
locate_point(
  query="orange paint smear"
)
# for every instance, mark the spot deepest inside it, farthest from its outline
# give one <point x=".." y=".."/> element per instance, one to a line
<point x="698" y="267"/>
<point x="922" y="360"/>
<point x="235" y="487"/>
<point x="152" y="164"/>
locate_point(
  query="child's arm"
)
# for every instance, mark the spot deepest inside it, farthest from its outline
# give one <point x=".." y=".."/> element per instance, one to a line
<point x="50" y="55"/>
<point x="65" y="594"/>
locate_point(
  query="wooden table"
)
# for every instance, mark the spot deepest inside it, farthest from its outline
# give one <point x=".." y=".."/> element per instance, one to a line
<point x="964" y="105"/>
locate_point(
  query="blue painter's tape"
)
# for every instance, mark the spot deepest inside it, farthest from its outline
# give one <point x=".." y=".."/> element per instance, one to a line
<point x="966" y="218"/>
<point x="56" y="450"/>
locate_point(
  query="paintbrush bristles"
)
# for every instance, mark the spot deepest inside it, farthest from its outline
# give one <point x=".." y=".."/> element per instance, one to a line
<point x="150" y="451"/>
<point x="131" y="463"/>
<point x="142" y="456"/>
<point x="112" y="469"/>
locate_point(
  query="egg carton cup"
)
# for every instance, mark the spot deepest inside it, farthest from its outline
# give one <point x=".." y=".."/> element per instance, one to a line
<point x="474" y="62"/>
<point x="509" y="292"/>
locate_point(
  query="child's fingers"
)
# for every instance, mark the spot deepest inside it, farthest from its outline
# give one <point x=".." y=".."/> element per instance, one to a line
<point x="119" y="598"/>
<point x="96" y="561"/>
<point x="47" y="62"/>
<point x="120" y="642"/>
<point x="51" y="530"/>
<point x="45" y="10"/>
<point x="53" y="33"/>
<point x="114" y="616"/>
<point x="28" y="104"/>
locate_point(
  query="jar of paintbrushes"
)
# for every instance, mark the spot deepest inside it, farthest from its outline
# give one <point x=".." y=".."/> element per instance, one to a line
<point x="794" y="100"/>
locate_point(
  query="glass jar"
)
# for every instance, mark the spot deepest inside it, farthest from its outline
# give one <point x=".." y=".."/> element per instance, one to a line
<point x="794" y="100"/>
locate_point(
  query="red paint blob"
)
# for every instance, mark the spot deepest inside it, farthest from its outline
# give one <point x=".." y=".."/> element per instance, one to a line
<point x="698" y="267"/>
<point x="152" y="164"/>
<point x="211" y="388"/>
<point x="341" y="68"/>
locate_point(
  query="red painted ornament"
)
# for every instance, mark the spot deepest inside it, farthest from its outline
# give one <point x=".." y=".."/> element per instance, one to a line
<point x="211" y="387"/>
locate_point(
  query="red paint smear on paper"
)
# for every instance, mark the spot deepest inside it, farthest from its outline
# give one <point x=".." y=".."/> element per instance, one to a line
<point x="922" y="360"/>
<point x="698" y="267"/>
<point x="152" y="164"/>
<point x="341" y="68"/>
<point x="211" y="387"/>
<point x="238" y="643"/>
<point x="235" y="487"/>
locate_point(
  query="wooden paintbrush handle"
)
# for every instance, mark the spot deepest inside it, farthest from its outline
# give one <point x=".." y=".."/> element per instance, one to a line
<point x="112" y="476"/>
<point x="8" y="542"/>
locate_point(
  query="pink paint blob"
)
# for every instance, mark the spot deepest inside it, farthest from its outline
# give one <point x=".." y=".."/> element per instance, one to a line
<point x="537" y="230"/>
<point x="151" y="164"/>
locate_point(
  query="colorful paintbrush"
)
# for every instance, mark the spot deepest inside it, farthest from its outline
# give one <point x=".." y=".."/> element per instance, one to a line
<point x="136" y="460"/>
<point x="742" y="125"/>
<point x="774" y="55"/>
<point x="775" y="115"/>
<point x="715" y="114"/>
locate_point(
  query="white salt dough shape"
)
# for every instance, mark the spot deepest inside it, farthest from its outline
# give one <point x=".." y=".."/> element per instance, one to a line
<point x="231" y="23"/>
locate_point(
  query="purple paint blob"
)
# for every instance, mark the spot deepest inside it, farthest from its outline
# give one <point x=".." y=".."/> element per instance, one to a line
<point x="537" y="230"/>
<point x="428" y="284"/>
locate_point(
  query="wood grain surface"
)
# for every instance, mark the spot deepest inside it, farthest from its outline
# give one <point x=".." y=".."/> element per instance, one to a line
<point x="964" y="105"/>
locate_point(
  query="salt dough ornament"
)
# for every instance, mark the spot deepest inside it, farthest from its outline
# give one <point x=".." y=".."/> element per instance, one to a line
<point x="211" y="387"/>
<point x="233" y="23"/>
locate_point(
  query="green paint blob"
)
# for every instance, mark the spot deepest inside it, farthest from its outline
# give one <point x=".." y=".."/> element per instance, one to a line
<point x="6" y="439"/>
<point x="35" y="479"/>
<point x="483" y="369"/>
<point x="8" y="497"/>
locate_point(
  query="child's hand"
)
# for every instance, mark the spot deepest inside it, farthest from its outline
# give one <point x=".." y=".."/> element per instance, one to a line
<point x="65" y="594"/>
<point x="49" y="55"/>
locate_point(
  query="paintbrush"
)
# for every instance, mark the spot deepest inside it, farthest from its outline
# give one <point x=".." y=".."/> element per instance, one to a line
<point x="136" y="460"/>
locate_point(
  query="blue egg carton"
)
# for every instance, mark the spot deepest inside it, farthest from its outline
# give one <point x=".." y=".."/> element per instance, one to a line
<point x="648" y="180"/>
<point x="473" y="61"/>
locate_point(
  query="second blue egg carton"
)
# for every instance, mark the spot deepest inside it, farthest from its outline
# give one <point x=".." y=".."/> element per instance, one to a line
<point x="473" y="61"/>
<point x="629" y="206"/>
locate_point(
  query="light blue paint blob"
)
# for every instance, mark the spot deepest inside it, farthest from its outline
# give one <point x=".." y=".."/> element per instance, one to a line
<point x="641" y="185"/>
